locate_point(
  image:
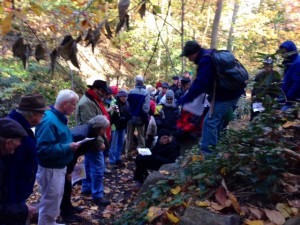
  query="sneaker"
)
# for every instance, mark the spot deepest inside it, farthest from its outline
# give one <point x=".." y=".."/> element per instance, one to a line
<point x="71" y="218"/>
<point x="107" y="171"/>
<point x="102" y="201"/>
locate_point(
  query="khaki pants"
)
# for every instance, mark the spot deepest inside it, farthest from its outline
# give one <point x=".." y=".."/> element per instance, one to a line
<point x="129" y="137"/>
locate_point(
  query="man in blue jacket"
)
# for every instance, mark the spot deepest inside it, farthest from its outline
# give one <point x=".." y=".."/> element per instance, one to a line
<point x="55" y="149"/>
<point x="291" y="77"/>
<point x="22" y="165"/>
<point x="204" y="83"/>
<point x="139" y="106"/>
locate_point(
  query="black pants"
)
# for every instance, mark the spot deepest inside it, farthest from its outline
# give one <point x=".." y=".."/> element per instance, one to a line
<point x="143" y="163"/>
<point x="66" y="205"/>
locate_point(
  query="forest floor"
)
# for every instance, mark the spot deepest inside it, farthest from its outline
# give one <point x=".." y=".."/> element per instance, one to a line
<point x="120" y="189"/>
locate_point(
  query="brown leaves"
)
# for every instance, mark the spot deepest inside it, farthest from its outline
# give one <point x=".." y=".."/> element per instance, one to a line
<point x="22" y="51"/>
<point x="123" y="15"/>
<point x="68" y="50"/>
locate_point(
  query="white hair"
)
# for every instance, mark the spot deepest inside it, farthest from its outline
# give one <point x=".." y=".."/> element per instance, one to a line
<point x="66" y="95"/>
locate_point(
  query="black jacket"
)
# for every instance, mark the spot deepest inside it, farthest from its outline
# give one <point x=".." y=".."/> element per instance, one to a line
<point x="10" y="213"/>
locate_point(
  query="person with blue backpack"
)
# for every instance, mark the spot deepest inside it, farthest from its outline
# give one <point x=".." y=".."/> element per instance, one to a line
<point x="208" y="80"/>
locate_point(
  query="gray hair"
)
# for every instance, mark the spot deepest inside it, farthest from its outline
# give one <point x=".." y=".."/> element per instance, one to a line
<point x="66" y="95"/>
<point x="99" y="121"/>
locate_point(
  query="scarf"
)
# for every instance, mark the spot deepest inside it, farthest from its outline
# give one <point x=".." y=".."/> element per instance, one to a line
<point x="91" y="93"/>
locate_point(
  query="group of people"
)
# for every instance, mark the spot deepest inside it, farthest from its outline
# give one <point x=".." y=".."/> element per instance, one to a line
<point x="110" y="117"/>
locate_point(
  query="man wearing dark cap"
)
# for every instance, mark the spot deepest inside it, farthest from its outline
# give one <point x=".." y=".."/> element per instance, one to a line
<point x="223" y="101"/>
<point x="90" y="105"/>
<point x="174" y="87"/>
<point x="291" y="77"/>
<point x="11" y="135"/>
<point x="22" y="165"/>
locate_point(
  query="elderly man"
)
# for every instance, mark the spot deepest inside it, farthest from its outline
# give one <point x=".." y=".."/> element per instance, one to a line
<point x="55" y="149"/>
<point x="11" y="134"/>
<point x="22" y="165"/>
<point x="90" y="105"/>
<point x="139" y="106"/>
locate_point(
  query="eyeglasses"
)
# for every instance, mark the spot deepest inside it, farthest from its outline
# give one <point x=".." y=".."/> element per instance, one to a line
<point x="165" y="88"/>
<point x="169" y="99"/>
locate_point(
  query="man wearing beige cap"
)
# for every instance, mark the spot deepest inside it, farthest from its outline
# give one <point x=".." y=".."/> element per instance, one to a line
<point x="11" y="134"/>
<point x="22" y="165"/>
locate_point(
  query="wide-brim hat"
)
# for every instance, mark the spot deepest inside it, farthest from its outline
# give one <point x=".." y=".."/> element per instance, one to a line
<point x="190" y="48"/>
<point x="32" y="102"/>
<point x="100" y="84"/>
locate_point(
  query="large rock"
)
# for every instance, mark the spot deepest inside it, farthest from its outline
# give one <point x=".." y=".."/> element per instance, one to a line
<point x="200" y="216"/>
<point x="293" y="221"/>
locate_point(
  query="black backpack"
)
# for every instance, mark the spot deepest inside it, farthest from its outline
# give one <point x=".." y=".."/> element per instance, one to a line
<point x="232" y="75"/>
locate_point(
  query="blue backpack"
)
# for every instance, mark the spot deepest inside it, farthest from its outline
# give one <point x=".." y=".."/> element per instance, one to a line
<point x="232" y="75"/>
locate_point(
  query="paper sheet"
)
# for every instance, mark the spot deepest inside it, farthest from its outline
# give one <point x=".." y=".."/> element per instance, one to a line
<point x="85" y="140"/>
<point x="144" y="151"/>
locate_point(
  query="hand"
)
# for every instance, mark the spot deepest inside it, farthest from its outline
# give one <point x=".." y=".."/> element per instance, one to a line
<point x="31" y="211"/>
<point x="74" y="146"/>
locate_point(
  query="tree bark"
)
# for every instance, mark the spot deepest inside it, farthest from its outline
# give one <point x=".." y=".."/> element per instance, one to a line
<point x="233" y="21"/>
<point x="182" y="34"/>
<point x="214" y="34"/>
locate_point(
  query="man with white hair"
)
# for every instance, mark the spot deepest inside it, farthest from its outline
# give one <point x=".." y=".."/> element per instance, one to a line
<point x="139" y="106"/>
<point x="55" y="148"/>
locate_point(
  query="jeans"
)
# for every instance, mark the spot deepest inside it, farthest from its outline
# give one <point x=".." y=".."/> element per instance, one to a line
<point x="94" y="168"/>
<point x="213" y="125"/>
<point x="116" y="145"/>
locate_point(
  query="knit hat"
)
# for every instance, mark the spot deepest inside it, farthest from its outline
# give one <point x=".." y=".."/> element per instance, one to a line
<point x="99" y="121"/>
<point x="163" y="132"/>
<point x="158" y="84"/>
<point x="165" y="84"/>
<point x="114" y="90"/>
<point x="170" y="93"/>
<point x="122" y="93"/>
<point x="139" y="79"/>
<point x="11" y="129"/>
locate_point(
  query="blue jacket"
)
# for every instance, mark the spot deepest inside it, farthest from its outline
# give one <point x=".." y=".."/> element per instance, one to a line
<point x="22" y="165"/>
<point x="291" y="77"/>
<point x="53" y="140"/>
<point x="139" y="104"/>
<point x="204" y="81"/>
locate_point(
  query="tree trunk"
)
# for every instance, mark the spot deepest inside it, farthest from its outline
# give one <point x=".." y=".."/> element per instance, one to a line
<point x="233" y="21"/>
<point x="214" y="34"/>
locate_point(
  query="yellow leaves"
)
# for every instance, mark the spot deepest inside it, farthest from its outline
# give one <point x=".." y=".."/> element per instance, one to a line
<point x="196" y="158"/>
<point x="176" y="190"/>
<point x="154" y="212"/>
<point x="203" y="204"/>
<point x="254" y="222"/>
<point x="36" y="9"/>
<point x="290" y="124"/>
<point x="6" y="24"/>
<point x="172" y="218"/>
